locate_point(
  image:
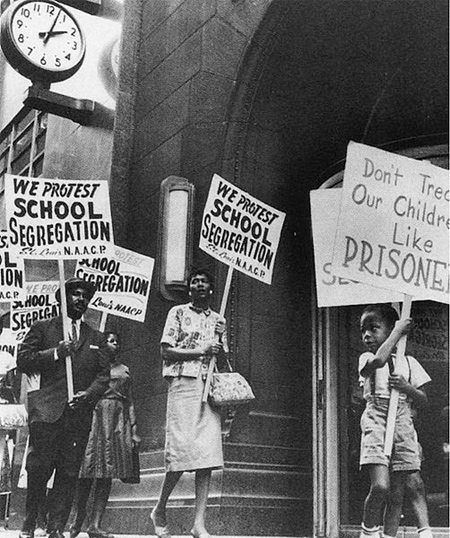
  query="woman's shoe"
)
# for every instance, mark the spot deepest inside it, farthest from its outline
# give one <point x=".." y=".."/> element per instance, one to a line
<point x="204" y="534"/>
<point x="74" y="532"/>
<point x="161" y="532"/>
<point x="99" y="533"/>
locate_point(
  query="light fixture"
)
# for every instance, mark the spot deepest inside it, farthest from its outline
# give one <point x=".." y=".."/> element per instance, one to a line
<point x="175" y="235"/>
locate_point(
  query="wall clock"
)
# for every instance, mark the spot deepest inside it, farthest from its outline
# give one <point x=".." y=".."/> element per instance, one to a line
<point x="42" y="40"/>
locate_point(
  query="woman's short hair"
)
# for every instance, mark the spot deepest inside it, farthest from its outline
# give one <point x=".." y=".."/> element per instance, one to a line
<point x="204" y="272"/>
<point x="385" y="311"/>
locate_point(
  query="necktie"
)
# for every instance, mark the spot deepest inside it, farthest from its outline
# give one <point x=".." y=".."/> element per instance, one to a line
<point x="74" y="331"/>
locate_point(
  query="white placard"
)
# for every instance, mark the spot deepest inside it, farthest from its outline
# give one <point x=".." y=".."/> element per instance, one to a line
<point x="58" y="218"/>
<point x="394" y="224"/>
<point x="40" y="303"/>
<point x="240" y="231"/>
<point x="8" y="342"/>
<point x="334" y="290"/>
<point x="122" y="282"/>
<point x="12" y="273"/>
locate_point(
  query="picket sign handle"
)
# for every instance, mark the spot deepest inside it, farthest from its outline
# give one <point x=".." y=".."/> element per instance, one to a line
<point x="103" y="322"/>
<point x="223" y="307"/>
<point x="66" y="327"/>
<point x="393" y="400"/>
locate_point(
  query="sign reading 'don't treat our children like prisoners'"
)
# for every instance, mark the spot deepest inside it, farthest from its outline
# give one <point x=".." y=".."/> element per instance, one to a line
<point x="240" y="231"/>
<point x="58" y="218"/>
<point x="394" y="224"/>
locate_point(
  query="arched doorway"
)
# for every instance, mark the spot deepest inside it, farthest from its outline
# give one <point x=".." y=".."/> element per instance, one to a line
<point x="316" y="76"/>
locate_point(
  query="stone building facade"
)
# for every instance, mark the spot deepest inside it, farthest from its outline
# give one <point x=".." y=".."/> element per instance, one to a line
<point x="267" y="94"/>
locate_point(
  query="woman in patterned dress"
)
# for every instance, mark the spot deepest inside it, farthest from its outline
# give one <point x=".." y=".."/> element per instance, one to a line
<point x="109" y="449"/>
<point x="192" y="335"/>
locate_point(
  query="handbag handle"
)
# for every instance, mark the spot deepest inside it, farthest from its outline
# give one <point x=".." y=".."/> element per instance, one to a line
<point x="230" y="368"/>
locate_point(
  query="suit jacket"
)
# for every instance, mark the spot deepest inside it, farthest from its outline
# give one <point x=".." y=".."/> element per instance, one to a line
<point x="90" y="368"/>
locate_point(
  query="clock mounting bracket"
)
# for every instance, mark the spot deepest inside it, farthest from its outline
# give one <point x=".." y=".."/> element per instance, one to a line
<point x="78" y="110"/>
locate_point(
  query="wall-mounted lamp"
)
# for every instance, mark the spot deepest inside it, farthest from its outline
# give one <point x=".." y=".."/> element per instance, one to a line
<point x="175" y="235"/>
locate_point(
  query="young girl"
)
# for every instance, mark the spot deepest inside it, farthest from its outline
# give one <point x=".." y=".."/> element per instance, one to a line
<point x="381" y="330"/>
<point x="109" y="449"/>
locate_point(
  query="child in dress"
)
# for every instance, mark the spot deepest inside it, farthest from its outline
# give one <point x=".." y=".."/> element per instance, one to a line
<point x="380" y="331"/>
<point x="109" y="449"/>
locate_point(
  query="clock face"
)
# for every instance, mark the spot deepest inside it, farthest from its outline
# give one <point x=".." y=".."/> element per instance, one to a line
<point x="42" y="40"/>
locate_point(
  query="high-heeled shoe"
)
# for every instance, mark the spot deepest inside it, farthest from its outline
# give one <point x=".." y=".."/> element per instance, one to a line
<point x="161" y="532"/>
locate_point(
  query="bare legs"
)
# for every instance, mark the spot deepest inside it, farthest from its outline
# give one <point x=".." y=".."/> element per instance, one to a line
<point x="410" y="486"/>
<point x="391" y="490"/>
<point x="379" y="488"/>
<point x="415" y="490"/>
<point x="159" y="512"/>
<point x="202" y="483"/>
<point x="394" y="507"/>
<point x="102" y="489"/>
<point x="101" y="496"/>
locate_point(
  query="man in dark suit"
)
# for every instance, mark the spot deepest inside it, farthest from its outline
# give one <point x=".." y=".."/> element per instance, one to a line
<point x="59" y="428"/>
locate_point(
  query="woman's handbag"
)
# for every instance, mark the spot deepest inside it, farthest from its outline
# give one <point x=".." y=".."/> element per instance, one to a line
<point x="229" y="388"/>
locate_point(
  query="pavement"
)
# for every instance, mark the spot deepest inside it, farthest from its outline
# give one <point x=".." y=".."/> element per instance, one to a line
<point x="8" y="533"/>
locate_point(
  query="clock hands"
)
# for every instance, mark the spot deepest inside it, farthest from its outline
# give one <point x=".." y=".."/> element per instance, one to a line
<point x="50" y="34"/>
<point x="46" y="35"/>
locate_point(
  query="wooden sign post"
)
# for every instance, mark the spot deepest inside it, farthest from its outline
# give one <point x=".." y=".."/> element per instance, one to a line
<point x="223" y="307"/>
<point x="393" y="401"/>
<point x="66" y="327"/>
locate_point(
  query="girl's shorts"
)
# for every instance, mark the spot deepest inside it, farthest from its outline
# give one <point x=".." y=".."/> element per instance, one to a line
<point x="405" y="450"/>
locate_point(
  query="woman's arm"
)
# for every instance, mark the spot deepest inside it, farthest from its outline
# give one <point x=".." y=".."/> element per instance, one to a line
<point x="180" y="354"/>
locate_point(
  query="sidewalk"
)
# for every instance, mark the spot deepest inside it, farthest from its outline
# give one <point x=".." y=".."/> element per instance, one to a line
<point x="7" y="533"/>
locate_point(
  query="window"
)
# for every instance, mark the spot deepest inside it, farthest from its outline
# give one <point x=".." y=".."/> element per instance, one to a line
<point x="22" y="145"/>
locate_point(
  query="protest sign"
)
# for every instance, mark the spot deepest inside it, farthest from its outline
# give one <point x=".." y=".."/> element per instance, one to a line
<point x="333" y="290"/>
<point x="8" y="342"/>
<point x="122" y="282"/>
<point x="12" y="273"/>
<point x="40" y="303"/>
<point x="240" y="231"/>
<point x="393" y="224"/>
<point x="58" y="218"/>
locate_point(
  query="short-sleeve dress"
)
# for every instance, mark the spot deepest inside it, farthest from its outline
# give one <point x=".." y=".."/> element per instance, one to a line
<point x="109" y="449"/>
<point x="193" y="428"/>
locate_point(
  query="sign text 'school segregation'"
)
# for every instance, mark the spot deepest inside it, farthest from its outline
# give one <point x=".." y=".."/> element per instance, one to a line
<point x="122" y="283"/>
<point x="240" y="231"/>
<point x="12" y="273"/>
<point x="40" y="303"/>
<point x="333" y="290"/>
<point x="58" y="218"/>
<point x="394" y="224"/>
